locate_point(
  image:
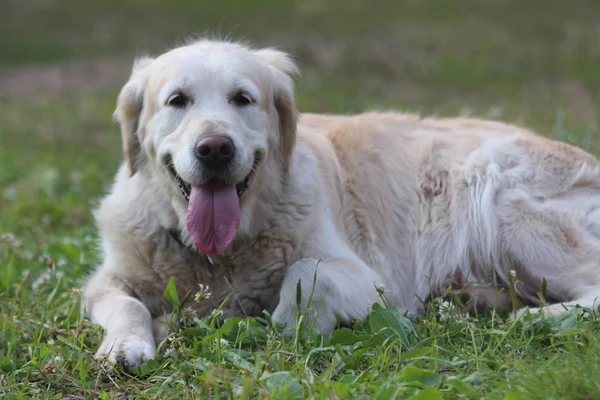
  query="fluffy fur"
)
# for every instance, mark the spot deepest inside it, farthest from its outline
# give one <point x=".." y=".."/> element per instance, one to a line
<point x="371" y="201"/>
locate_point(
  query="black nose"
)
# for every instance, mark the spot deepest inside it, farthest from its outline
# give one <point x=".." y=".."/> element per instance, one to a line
<point x="215" y="151"/>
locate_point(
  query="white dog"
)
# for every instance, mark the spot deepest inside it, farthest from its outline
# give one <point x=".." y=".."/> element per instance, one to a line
<point x="225" y="185"/>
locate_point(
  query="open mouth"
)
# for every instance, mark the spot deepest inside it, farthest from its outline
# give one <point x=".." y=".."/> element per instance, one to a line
<point x="213" y="212"/>
<point x="240" y="187"/>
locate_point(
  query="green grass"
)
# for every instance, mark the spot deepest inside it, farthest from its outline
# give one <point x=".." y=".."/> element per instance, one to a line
<point x="535" y="63"/>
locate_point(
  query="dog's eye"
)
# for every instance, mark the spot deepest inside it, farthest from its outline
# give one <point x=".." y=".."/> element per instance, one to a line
<point x="241" y="99"/>
<point x="178" y="100"/>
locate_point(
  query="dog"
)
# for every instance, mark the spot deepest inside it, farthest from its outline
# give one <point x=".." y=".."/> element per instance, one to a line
<point x="225" y="184"/>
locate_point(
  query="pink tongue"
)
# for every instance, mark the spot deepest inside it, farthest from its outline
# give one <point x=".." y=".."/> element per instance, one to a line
<point x="213" y="217"/>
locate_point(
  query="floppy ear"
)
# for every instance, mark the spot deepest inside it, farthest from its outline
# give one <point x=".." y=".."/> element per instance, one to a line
<point x="282" y="69"/>
<point x="129" y="107"/>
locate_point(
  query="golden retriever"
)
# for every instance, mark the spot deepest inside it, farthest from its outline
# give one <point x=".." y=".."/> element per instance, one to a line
<point x="224" y="184"/>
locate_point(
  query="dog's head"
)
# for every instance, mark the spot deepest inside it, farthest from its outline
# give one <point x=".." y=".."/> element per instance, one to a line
<point x="206" y="121"/>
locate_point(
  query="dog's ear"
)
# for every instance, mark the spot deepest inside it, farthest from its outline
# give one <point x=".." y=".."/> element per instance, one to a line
<point x="129" y="107"/>
<point x="283" y="69"/>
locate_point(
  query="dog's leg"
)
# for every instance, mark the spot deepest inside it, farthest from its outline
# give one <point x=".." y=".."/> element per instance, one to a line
<point x="127" y="323"/>
<point x="482" y="297"/>
<point x="557" y="241"/>
<point x="161" y="326"/>
<point x="333" y="291"/>
<point x="590" y="300"/>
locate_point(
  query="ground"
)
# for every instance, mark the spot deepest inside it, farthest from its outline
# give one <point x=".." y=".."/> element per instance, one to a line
<point x="535" y="63"/>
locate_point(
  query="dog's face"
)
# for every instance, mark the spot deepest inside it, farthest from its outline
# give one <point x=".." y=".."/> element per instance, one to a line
<point x="205" y="120"/>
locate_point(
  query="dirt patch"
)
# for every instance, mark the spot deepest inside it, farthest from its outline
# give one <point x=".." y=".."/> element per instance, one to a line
<point x="581" y="101"/>
<point x="377" y="63"/>
<point x="74" y="76"/>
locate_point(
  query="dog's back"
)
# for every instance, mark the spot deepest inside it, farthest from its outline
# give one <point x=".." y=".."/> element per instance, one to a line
<point x="424" y="199"/>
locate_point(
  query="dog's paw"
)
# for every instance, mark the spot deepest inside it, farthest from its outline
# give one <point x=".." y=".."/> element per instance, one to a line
<point x="287" y="316"/>
<point x="548" y="311"/>
<point x="128" y="350"/>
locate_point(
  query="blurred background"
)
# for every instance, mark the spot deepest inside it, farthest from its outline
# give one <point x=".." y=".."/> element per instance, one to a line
<point x="62" y="62"/>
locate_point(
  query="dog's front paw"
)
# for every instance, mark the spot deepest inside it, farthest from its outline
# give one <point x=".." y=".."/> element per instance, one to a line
<point x="336" y="292"/>
<point x="321" y="319"/>
<point x="285" y="318"/>
<point x="128" y="350"/>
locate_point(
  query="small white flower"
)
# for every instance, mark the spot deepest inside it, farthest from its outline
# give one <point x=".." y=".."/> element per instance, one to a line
<point x="203" y="294"/>
<point x="189" y="312"/>
<point x="237" y="390"/>
<point x="187" y="316"/>
<point x="8" y="236"/>
<point x="12" y="240"/>
<point x="43" y="278"/>
<point x="445" y="309"/>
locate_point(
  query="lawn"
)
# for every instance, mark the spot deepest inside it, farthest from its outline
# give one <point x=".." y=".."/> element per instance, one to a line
<point x="535" y="63"/>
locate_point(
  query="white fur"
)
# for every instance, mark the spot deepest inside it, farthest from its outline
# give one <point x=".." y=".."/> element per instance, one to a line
<point x="376" y="200"/>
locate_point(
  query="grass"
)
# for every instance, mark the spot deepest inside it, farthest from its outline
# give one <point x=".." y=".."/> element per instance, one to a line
<point x="533" y="63"/>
